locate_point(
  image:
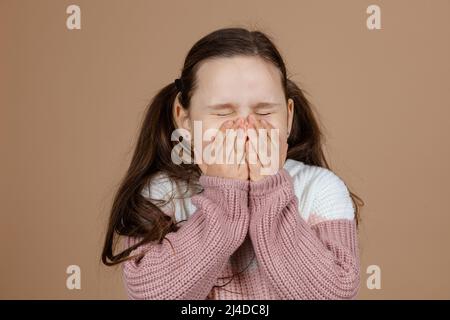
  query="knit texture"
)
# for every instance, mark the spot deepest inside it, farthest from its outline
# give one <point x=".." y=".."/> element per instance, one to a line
<point x="294" y="231"/>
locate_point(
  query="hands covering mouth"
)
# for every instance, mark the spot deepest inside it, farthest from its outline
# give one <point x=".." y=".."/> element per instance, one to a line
<point x="245" y="149"/>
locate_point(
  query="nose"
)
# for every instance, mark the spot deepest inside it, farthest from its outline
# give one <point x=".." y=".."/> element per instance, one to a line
<point x="242" y="122"/>
<point x="246" y="119"/>
<point x="249" y="120"/>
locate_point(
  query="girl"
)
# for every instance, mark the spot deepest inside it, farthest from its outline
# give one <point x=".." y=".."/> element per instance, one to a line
<point x="226" y="231"/>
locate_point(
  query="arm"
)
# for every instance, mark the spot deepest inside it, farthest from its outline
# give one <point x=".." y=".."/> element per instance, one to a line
<point x="301" y="261"/>
<point x="188" y="266"/>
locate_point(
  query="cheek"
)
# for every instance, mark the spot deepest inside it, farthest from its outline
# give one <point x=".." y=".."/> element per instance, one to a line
<point x="211" y="124"/>
<point x="278" y="122"/>
<point x="206" y="127"/>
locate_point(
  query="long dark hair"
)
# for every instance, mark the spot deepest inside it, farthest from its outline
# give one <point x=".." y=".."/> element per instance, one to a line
<point x="134" y="215"/>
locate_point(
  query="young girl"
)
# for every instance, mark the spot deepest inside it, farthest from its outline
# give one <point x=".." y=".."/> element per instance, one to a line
<point x="226" y="231"/>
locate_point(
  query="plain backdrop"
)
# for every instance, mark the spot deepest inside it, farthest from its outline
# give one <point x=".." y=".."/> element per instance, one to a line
<point x="72" y="100"/>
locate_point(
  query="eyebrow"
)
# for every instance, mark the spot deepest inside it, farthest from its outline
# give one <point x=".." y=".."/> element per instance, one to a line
<point x="259" y="105"/>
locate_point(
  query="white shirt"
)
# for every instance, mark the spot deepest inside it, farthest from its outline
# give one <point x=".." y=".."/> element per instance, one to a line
<point x="321" y="194"/>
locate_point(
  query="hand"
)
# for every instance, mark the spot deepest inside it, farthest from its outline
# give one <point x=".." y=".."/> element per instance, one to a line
<point x="259" y="166"/>
<point x="229" y="152"/>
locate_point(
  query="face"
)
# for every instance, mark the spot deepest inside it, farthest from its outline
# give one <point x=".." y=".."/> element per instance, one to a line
<point x="233" y="88"/>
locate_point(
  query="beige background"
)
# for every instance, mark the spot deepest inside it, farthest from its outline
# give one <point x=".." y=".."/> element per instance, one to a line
<point x="71" y="102"/>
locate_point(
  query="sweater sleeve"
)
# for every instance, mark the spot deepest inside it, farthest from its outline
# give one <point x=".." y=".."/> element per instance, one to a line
<point x="188" y="264"/>
<point x="300" y="260"/>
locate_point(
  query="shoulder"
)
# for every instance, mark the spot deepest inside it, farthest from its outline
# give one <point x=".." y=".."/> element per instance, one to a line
<point x="170" y="196"/>
<point x="321" y="193"/>
<point x="159" y="187"/>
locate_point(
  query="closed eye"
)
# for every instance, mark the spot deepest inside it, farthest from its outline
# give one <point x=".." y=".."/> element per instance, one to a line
<point x="224" y="114"/>
<point x="264" y="114"/>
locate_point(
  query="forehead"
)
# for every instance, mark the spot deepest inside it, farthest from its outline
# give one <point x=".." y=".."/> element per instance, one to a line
<point x="238" y="79"/>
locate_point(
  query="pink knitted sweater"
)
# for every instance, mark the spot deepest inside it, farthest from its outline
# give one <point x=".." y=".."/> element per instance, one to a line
<point x="256" y="224"/>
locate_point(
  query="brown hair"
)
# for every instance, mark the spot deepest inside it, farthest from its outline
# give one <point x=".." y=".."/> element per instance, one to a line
<point x="136" y="216"/>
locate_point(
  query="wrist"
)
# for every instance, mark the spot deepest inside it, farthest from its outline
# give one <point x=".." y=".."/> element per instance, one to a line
<point x="271" y="184"/>
<point x="207" y="181"/>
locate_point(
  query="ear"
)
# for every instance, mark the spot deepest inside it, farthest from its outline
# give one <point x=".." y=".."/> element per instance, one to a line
<point x="290" y="114"/>
<point x="180" y="114"/>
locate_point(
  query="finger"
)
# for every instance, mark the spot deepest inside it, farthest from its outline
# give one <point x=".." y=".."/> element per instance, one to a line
<point x="231" y="143"/>
<point x="247" y="150"/>
<point x="252" y="165"/>
<point x="240" y="146"/>
<point x="219" y="142"/>
<point x="264" y="140"/>
<point x="266" y="125"/>
<point x="252" y="156"/>
<point x="257" y="124"/>
<point x="262" y="148"/>
<point x="241" y="137"/>
<point x="255" y="161"/>
<point x="271" y="143"/>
